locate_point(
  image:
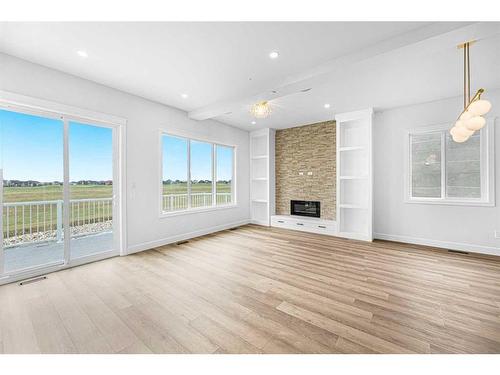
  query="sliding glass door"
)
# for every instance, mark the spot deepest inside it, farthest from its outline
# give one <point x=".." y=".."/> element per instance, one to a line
<point x="32" y="198"/>
<point x="59" y="191"/>
<point x="91" y="189"/>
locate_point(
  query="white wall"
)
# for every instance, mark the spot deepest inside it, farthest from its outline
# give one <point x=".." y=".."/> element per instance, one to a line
<point x="145" y="228"/>
<point x="457" y="227"/>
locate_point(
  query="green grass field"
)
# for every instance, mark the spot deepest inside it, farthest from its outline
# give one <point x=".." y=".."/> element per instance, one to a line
<point x="48" y="193"/>
<point x="195" y="188"/>
<point x="80" y="214"/>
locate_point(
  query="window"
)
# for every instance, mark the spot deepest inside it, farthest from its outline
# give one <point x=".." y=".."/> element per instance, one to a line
<point x="443" y="171"/>
<point x="195" y="174"/>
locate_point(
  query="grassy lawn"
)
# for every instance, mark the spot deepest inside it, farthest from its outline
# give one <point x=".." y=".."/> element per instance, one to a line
<point x="195" y="188"/>
<point x="54" y="192"/>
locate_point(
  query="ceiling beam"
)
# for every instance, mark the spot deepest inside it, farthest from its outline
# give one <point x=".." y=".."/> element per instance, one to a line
<point x="321" y="74"/>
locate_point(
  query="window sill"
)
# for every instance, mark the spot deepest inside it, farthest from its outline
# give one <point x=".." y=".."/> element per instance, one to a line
<point x="164" y="214"/>
<point x="450" y="202"/>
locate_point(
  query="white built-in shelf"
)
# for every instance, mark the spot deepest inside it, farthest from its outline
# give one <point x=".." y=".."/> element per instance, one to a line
<point x="353" y="235"/>
<point x="262" y="176"/>
<point x="352" y="177"/>
<point x="356" y="206"/>
<point x="352" y="148"/>
<point x="305" y="224"/>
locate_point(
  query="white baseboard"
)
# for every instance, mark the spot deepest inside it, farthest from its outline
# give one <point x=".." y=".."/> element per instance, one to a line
<point x="182" y="237"/>
<point x="471" y="248"/>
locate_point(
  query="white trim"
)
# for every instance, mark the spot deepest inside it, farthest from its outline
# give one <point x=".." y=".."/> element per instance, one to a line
<point x="355" y="115"/>
<point x="188" y="181"/>
<point x="471" y="248"/>
<point x="197" y="210"/>
<point x="487" y="162"/>
<point x="66" y="194"/>
<point x="21" y="101"/>
<point x="182" y="237"/>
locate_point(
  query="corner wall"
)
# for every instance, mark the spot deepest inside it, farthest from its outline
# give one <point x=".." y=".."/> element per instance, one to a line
<point x="467" y="228"/>
<point x="145" y="229"/>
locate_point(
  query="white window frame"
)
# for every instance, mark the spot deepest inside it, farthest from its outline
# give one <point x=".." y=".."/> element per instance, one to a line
<point x="487" y="162"/>
<point x="214" y="206"/>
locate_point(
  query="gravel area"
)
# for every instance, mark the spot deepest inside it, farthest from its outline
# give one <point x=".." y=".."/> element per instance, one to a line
<point x="50" y="235"/>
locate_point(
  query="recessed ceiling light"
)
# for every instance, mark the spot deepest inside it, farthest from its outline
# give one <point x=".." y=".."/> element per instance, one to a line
<point x="82" y="53"/>
<point x="184" y="96"/>
<point x="327" y="105"/>
<point x="273" y="55"/>
<point x="253" y="122"/>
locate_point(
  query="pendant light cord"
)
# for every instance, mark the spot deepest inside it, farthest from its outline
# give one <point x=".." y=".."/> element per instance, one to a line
<point x="468" y="74"/>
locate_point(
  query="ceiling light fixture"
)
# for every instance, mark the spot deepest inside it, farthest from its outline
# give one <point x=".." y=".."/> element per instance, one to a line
<point x="82" y="53"/>
<point x="470" y="120"/>
<point x="261" y="109"/>
<point x="184" y="96"/>
<point x="327" y="106"/>
<point x="253" y="122"/>
<point x="273" y="55"/>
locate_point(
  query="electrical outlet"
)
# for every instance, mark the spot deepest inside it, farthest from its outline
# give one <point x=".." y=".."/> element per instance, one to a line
<point x="497" y="234"/>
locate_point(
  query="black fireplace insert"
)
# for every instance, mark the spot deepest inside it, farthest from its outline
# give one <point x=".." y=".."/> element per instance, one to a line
<point x="305" y="208"/>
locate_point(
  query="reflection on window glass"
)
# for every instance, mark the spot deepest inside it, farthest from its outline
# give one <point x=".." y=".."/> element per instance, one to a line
<point x="175" y="172"/>
<point x="224" y="174"/>
<point x="201" y="174"/>
<point x="426" y="165"/>
<point x="463" y="167"/>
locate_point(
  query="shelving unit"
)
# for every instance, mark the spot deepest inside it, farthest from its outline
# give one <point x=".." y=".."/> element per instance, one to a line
<point x="354" y="175"/>
<point x="262" y="176"/>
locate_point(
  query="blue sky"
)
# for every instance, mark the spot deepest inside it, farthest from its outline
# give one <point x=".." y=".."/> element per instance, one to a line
<point x="175" y="160"/>
<point x="31" y="148"/>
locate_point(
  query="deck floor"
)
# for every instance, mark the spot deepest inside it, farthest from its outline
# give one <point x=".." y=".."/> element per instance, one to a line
<point x="261" y="290"/>
<point x="37" y="254"/>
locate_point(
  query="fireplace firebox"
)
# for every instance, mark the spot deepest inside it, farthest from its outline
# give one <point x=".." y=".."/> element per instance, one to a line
<point x="305" y="208"/>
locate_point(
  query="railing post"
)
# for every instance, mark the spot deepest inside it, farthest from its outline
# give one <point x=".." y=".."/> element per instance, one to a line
<point x="59" y="218"/>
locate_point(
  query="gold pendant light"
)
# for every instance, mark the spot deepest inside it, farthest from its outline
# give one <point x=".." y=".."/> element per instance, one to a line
<point x="470" y="120"/>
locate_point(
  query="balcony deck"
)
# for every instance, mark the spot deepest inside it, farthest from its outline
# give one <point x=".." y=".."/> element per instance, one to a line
<point x="41" y="253"/>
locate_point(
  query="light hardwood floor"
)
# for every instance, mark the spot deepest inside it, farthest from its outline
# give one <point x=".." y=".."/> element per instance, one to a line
<point x="261" y="290"/>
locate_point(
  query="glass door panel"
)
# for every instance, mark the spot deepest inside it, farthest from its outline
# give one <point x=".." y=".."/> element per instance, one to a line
<point x="91" y="195"/>
<point x="31" y="169"/>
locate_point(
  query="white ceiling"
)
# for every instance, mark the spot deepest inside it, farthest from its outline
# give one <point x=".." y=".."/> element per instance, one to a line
<point x="224" y="67"/>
